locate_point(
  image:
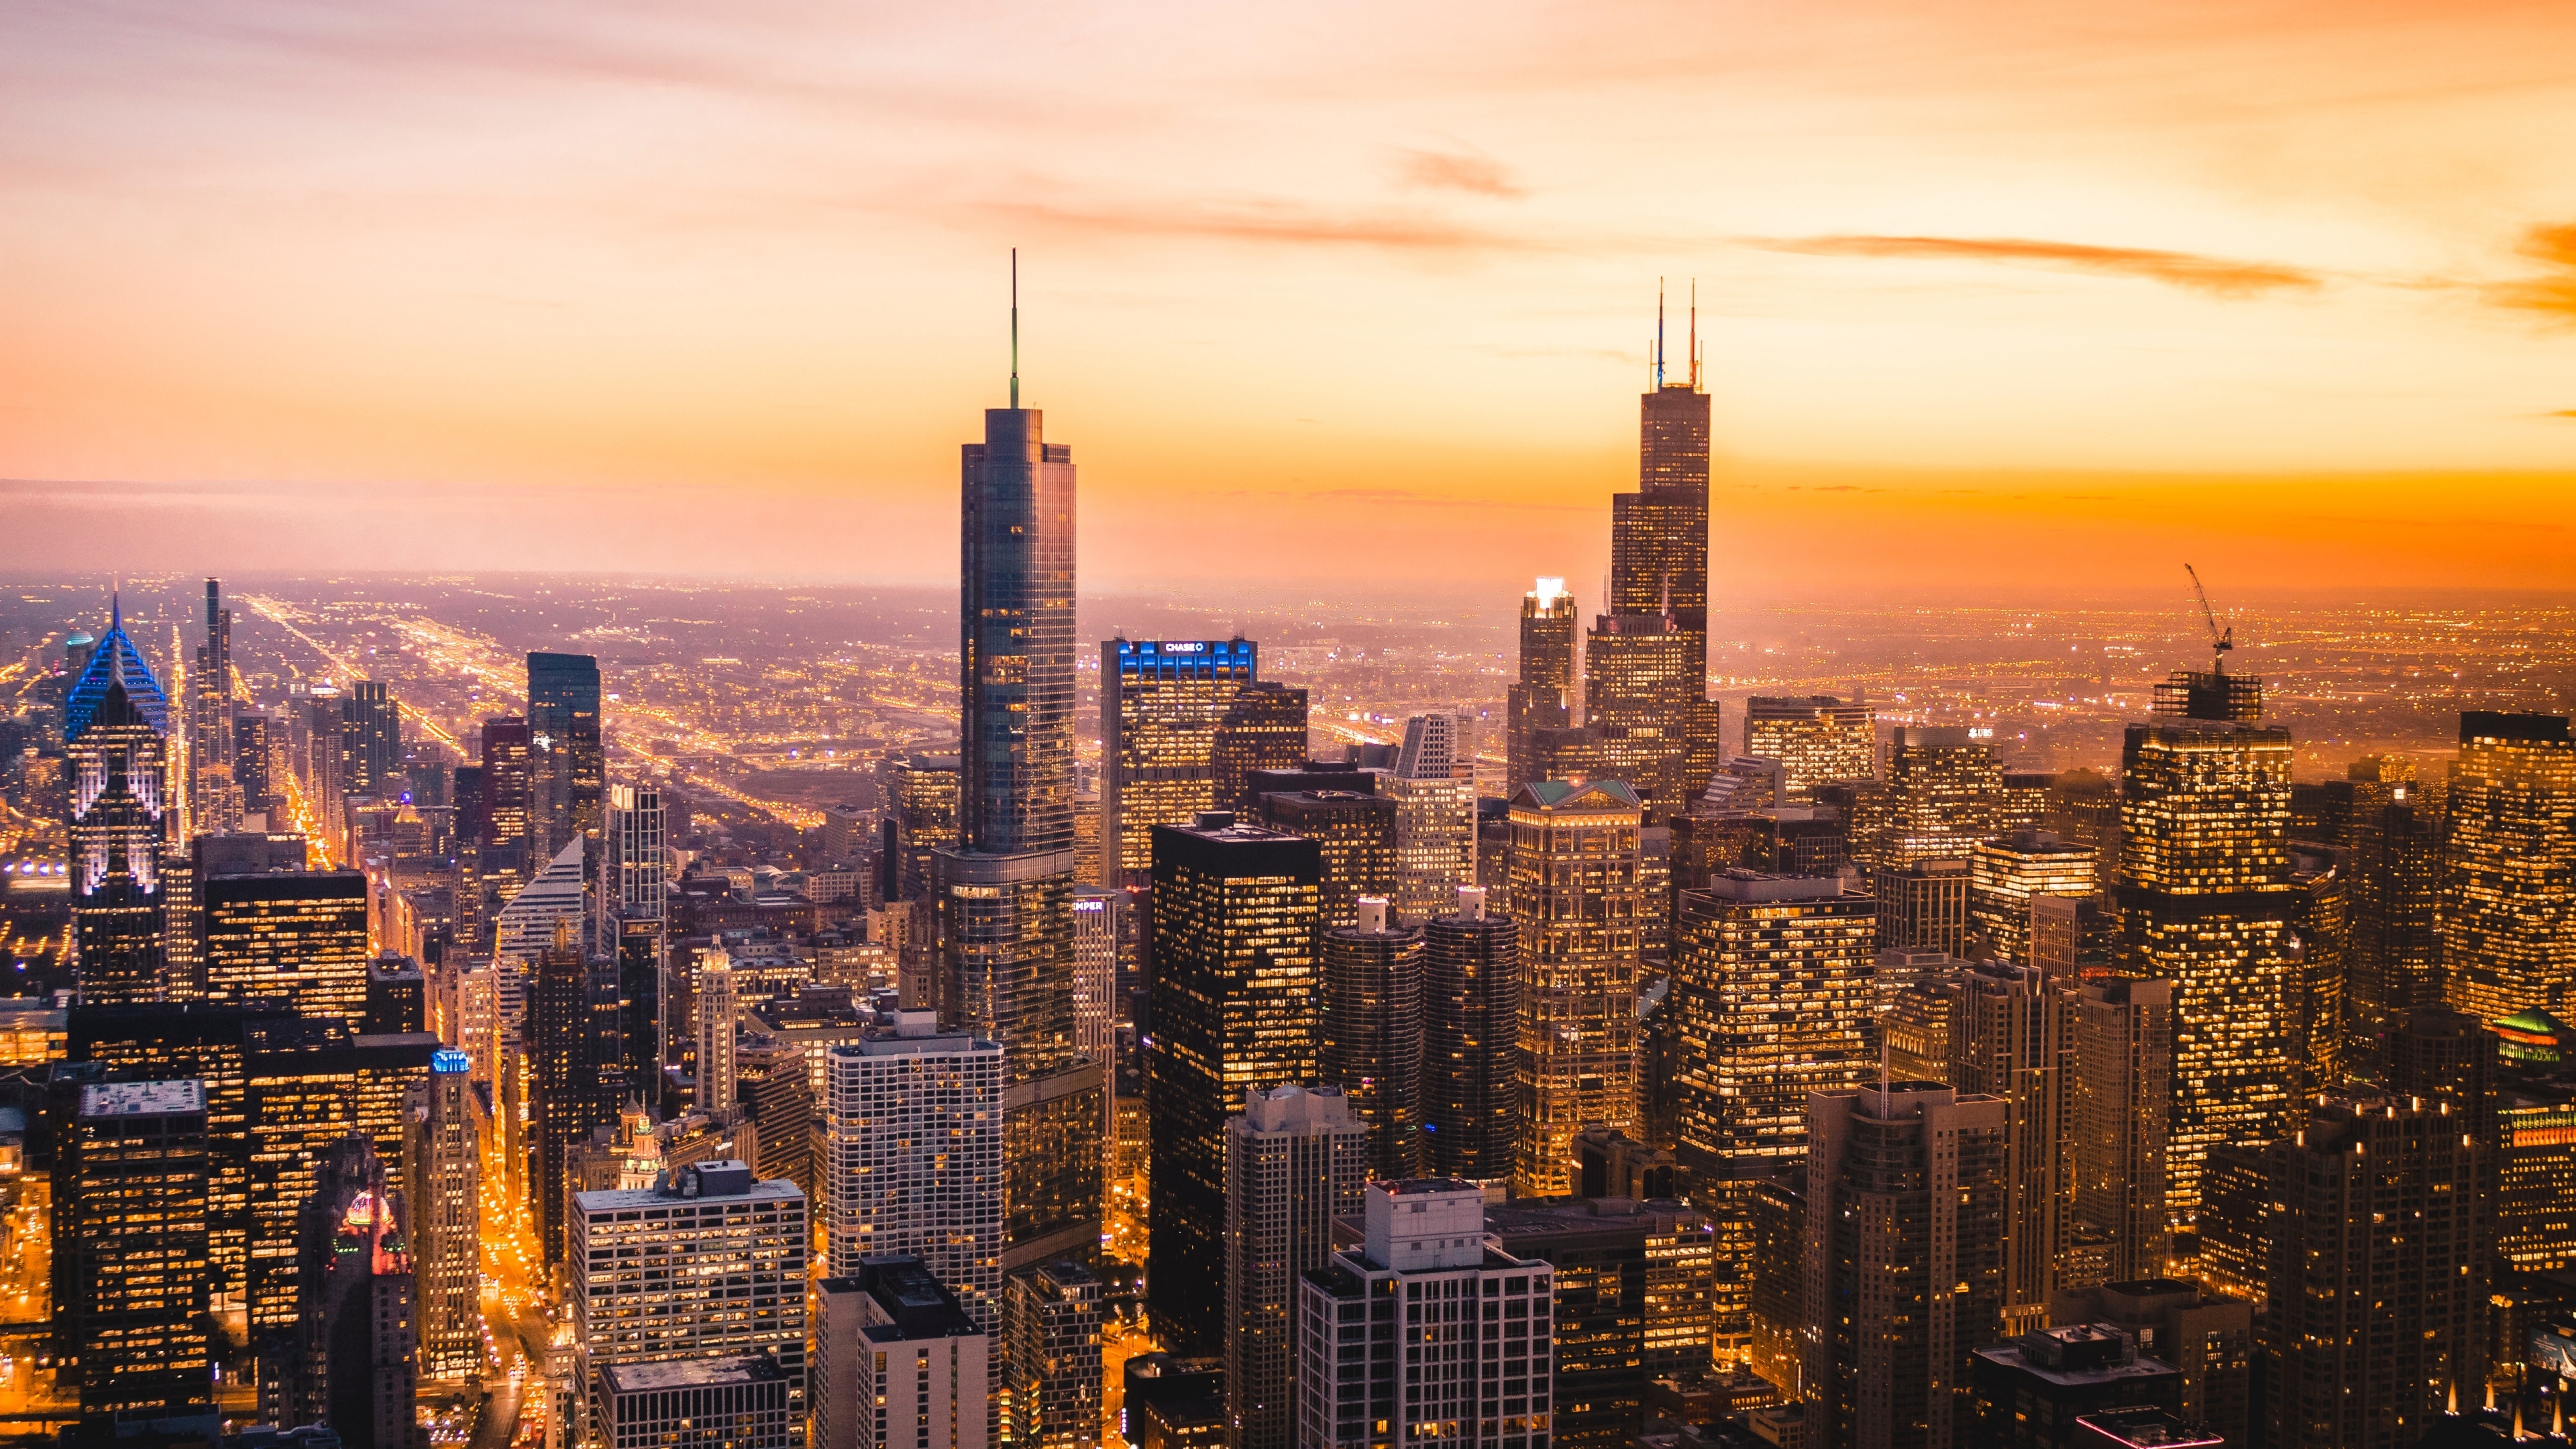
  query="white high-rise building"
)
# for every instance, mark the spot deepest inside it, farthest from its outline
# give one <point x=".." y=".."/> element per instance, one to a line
<point x="632" y="878"/>
<point x="1434" y="789"/>
<point x="710" y="1263"/>
<point x="1295" y="1159"/>
<point x="913" y="1141"/>
<point x="444" y="1162"/>
<point x="716" y="1011"/>
<point x="1435" y="1370"/>
<point x="1096" y="915"/>
<point x="526" y="926"/>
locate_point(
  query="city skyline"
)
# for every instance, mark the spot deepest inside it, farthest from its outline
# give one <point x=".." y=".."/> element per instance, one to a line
<point x="2279" y="292"/>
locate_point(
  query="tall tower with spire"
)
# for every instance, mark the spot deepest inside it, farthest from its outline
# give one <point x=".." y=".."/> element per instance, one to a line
<point x="1004" y="893"/>
<point x="1646" y="658"/>
<point x="116" y="734"/>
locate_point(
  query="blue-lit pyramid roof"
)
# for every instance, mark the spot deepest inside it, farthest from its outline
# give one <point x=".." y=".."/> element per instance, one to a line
<point x="116" y="661"/>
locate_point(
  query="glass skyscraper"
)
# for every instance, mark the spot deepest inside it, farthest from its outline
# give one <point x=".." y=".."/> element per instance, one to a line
<point x="1003" y="895"/>
<point x="2207" y="902"/>
<point x="569" y="773"/>
<point x="1646" y="665"/>
<point x="116" y="732"/>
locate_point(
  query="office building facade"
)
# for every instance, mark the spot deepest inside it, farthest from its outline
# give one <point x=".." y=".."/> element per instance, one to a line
<point x="2121" y="1038"/>
<point x="709" y="1263"/>
<point x="1163" y="703"/>
<point x="1394" y="1342"/>
<point x="898" y="1364"/>
<point x="1234" y="1008"/>
<point x="1434" y="790"/>
<point x="1052" y="1355"/>
<point x="2513" y="859"/>
<point x="131" y="1259"/>
<point x="1904" y="1272"/>
<point x="1471" y="992"/>
<point x="1818" y="739"/>
<point x="1296" y="1160"/>
<point x="1577" y="896"/>
<point x="913" y="1156"/>
<point x="300" y="935"/>
<point x="1371" y="1032"/>
<point x="1542" y="698"/>
<point x="444" y="1188"/>
<point x="2206" y="902"/>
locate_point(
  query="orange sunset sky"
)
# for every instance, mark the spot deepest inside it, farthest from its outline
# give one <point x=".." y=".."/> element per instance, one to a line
<point x="1995" y="297"/>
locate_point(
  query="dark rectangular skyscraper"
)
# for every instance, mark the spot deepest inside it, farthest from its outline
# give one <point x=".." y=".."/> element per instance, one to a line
<point x="1234" y="1008"/>
<point x="1646" y="666"/>
<point x="570" y="773"/>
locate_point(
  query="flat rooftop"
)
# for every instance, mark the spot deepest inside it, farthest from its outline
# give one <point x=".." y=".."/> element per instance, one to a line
<point x="142" y="1099"/>
<point x="775" y="1190"/>
<point x="691" y="1373"/>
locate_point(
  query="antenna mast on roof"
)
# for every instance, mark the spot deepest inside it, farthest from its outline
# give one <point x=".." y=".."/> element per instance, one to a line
<point x="1015" y="329"/>
<point x="1659" y="334"/>
<point x="1694" y="334"/>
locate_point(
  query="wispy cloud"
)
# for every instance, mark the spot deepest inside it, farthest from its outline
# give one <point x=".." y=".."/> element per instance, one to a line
<point x="2217" y="276"/>
<point x="1267" y="220"/>
<point x="2552" y="291"/>
<point x="1452" y="171"/>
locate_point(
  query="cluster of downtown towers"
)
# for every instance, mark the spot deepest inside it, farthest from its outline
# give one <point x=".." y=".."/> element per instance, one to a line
<point x="2046" y="1034"/>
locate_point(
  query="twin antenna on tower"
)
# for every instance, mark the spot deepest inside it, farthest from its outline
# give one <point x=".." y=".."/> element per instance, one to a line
<point x="1659" y="334"/>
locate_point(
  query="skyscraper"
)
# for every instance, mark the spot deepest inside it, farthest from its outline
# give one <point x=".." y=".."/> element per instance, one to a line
<point x="2005" y="875"/>
<point x="2377" y="1272"/>
<point x="1264" y="728"/>
<point x="2392" y="938"/>
<point x="1771" y="995"/>
<point x="116" y="733"/>
<point x="2206" y="902"/>
<point x="444" y="1190"/>
<point x="2510" y="943"/>
<point x="634" y="923"/>
<point x="1424" y="1367"/>
<point x="1234" y="1006"/>
<point x="508" y="789"/>
<point x="576" y="1072"/>
<point x="717" y="1004"/>
<point x="370" y="740"/>
<point x="1370" y="1045"/>
<point x="1004" y="894"/>
<point x="1051" y="1355"/>
<point x="912" y="1122"/>
<point x="2006" y="1042"/>
<point x="1634" y="1303"/>
<point x="1543" y="697"/>
<point x="1646" y="663"/>
<point x="1941" y="796"/>
<point x="568" y="774"/>
<point x="1818" y="740"/>
<point x="1471" y="990"/>
<point x="216" y="789"/>
<point x="1356" y="837"/>
<point x="710" y="1263"/>
<point x="1434" y="789"/>
<point x="355" y="1362"/>
<point x="1576" y="894"/>
<point x="897" y="1363"/>
<point x="920" y="817"/>
<point x="1163" y="703"/>
<point x="2122" y="1040"/>
<point x="297" y="934"/>
<point x="132" y="1260"/>
<point x="1295" y="1160"/>
<point x="1904" y="1276"/>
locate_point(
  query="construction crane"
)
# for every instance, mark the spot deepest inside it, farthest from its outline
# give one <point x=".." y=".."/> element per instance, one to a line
<point x="2220" y="639"/>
